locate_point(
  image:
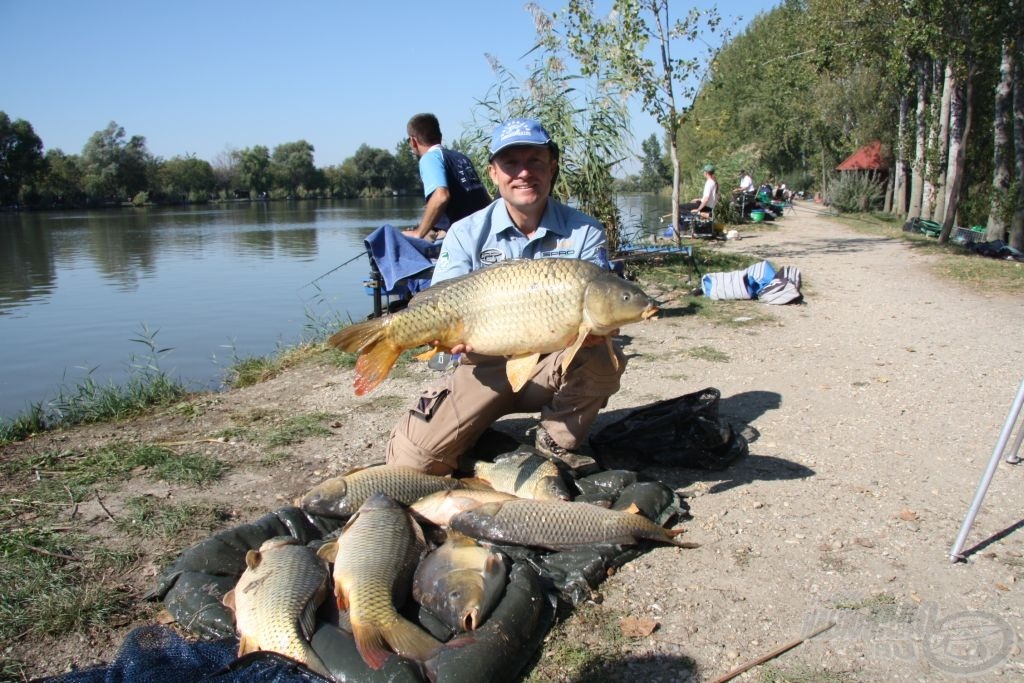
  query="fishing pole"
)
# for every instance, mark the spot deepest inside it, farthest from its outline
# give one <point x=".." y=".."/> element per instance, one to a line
<point x="313" y="281"/>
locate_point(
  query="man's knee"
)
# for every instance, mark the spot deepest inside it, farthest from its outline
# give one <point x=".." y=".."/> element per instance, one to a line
<point x="401" y="450"/>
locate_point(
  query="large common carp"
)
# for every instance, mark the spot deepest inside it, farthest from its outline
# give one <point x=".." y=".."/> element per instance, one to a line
<point x="558" y="525"/>
<point x="518" y="309"/>
<point x="341" y="496"/>
<point x="276" y="598"/>
<point x="374" y="561"/>
<point x="460" y="581"/>
<point x="526" y="475"/>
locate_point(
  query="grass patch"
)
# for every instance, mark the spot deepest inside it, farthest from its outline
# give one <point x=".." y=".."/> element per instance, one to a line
<point x="804" y="674"/>
<point x="956" y="264"/>
<point x="670" y="271"/>
<point x="32" y="421"/>
<point x="881" y="607"/>
<point x="296" y="429"/>
<point x="90" y="401"/>
<point x="272" y="458"/>
<point x="580" y="645"/>
<point x="48" y="589"/>
<point x="71" y="477"/>
<point x="148" y="517"/>
<point x="271" y="430"/>
<point x="245" y="372"/>
<point x="709" y="354"/>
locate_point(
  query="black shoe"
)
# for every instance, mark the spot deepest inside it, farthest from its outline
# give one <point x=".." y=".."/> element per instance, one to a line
<point x="579" y="463"/>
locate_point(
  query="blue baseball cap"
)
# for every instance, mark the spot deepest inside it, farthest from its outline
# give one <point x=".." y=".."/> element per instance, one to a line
<point x="518" y="132"/>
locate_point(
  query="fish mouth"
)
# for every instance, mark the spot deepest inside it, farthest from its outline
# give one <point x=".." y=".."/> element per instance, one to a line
<point x="649" y="312"/>
<point x="469" y="620"/>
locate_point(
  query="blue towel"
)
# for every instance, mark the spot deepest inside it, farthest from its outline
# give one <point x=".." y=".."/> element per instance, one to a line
<point x="401" y="258"/>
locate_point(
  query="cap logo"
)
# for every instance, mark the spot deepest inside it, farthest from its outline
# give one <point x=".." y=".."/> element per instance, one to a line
<point x="514" y="129"/>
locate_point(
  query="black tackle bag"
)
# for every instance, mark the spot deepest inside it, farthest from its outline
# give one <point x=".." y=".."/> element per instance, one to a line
<point x="684" y="431"/>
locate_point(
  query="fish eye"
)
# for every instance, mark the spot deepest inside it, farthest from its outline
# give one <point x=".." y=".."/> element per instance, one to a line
<point x="626" y="296"/>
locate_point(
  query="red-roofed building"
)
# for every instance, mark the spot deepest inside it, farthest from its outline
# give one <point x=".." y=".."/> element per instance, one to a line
<point x="870" y="157"/>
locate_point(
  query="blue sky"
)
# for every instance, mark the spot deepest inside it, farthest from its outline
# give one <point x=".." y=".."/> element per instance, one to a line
<point x="200" y="78"/>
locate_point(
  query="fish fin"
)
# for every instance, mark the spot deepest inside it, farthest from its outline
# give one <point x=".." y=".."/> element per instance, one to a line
<point x="570" y="352"/>
<point x="633" y="509"/>
<point x="247" y="644"/>
<point x="475" y="483"/>
<point x="307" y="619"/>
<point x="371" y="644"/>
<point x="519" y="369"/>
<point x="229" y="600"/>
<point x="328" y="552"/>
<point x="355" y="338"/>
<point x="252" y="559"/>
<point x="374" y="364"/>
<point x="340" y="599"/>
<point x="431" y="352"/>
<point x="410" y="641"/>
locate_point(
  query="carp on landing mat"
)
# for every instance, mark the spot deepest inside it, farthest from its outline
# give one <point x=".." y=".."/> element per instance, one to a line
<point x="558" y="525"/>
<point x="276" y="598"/>
<point x="525" y="475"/>
<point x="341" y="496"/>
<point x="460" y="582"/>
<point x="519" y="309"/>
<point x="374" y="560"/>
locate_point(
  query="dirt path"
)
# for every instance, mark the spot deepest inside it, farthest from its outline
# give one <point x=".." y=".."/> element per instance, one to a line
<point x="877" y="403"/>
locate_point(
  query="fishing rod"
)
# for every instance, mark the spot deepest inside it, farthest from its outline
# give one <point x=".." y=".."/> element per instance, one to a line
<point x="314" y="280"/>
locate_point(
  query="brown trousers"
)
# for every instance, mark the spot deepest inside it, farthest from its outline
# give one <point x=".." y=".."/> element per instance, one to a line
<point x="448" y="417"/>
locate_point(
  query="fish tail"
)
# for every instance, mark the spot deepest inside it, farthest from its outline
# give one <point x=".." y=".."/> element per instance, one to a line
<point x="411" y="641"/>
<point x="672" y="533"/>
<point x="355" y="338"/>
<point x="370" y="642"/>
<point x="374" y="364"/>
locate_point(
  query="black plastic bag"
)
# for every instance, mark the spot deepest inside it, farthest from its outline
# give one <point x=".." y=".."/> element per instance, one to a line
<point x="684" y="431"/>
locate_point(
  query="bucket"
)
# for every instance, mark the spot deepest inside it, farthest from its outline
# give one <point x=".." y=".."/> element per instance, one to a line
<point x="757" y="215"/>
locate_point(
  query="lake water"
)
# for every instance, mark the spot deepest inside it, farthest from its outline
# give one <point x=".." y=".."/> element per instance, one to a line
<point x="212" y="284"/>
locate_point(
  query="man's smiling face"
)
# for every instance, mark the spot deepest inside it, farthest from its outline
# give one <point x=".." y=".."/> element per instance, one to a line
<point x="523" y="175"/>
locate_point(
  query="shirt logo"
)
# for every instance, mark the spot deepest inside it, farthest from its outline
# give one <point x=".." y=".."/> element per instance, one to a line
<point x="491" y="256"/>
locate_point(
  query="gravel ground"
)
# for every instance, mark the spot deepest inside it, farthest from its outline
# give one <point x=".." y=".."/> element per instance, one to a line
<point x="877" y="403"/>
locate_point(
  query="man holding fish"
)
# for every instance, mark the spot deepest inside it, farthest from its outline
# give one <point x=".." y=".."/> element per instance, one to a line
<point x="568" y="386"/>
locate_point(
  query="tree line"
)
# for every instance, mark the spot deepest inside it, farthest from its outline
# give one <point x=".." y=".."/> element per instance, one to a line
<point x="938" y="82"/>
<point x="114" y="169"/>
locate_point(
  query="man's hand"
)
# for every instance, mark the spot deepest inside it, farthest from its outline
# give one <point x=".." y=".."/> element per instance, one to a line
<point x="455" y="350"/>
<point x="598" y="340"/>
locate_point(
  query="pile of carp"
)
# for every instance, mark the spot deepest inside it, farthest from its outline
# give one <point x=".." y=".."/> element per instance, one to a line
<point x="438" y="539"/>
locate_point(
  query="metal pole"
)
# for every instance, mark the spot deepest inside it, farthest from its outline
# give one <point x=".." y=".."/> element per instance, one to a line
<point x="1011" y="419"/>
<point x="1013" y="455"/>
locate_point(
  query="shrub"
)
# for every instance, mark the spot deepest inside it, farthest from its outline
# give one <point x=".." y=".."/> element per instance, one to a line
<point x="856" y="192"/>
